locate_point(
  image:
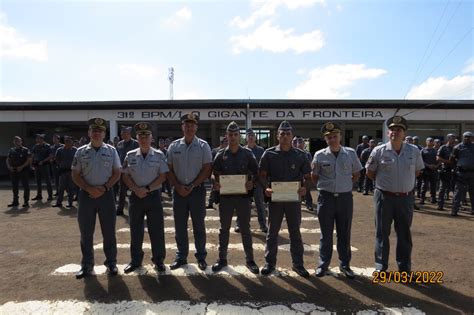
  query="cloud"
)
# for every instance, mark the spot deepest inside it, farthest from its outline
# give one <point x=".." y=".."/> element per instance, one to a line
<point x="131" y="70"/>
<point x="267" y="8"/>
<point x="271" y="38"/>
<point x="459" y="87"/>
<point x="469" y="66"/>
<point x="178" y="18"/>
<point x="333" y="81"/>
<point x="14" y="45"/>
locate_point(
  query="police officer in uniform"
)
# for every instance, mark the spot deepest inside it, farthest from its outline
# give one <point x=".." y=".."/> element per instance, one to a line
<point x="258" y="191"/>
<point x="41" y="156"/>
<point x="446" y="171"/>
<point x="190" y="164"/>
<point x="166" y="187"/>
<point x="301" y="145"/>
<point x="364" y="157"/>
<point x="419" y="179"/>
<point x="394" y="167"/>
<point x="235" y="160"/>
<point x="54" y="165"/>
<point x="335" y="169"/>
<point x="463" y="157"/>
<point x="430" y="172"/>
<point x="283" y="163"/>
<point x="144" y="171"/>
<point x="95" y="169"/>
<point x="214" y="194"/>
<point x="361" y="147"/>
<point x="63" y="159"/>
<point x="18" y="163"/>
<point x="123" y="147"/>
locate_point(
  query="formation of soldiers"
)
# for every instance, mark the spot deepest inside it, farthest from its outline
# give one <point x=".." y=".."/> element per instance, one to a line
<point x="448" y="168"/>
<point x="98" y="173"/>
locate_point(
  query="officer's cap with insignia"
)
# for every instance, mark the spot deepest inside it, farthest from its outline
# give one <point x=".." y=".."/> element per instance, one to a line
<point x="408" y="138"/>
<point x="126" y="129"/>
<point x="451" y="135"/>
<point x="429" y="139"/>
<point x="233" y="127"/>
<point x="467" y="134"/>
<point x="364" y="137"/>
<point x="40" y="135"/>
<point x="97" y="123"/>
<point x="416" y="138"/>
<point x="285" y="126"/>
<point x="143" y="128"/>
<point x="190" y="117"/>
<point x="329" y="128"/>
<point x="250" y="131"/>
<point x="397" y="121"/>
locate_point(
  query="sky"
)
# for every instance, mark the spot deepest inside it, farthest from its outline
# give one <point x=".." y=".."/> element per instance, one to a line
<point x="86" y="50"/>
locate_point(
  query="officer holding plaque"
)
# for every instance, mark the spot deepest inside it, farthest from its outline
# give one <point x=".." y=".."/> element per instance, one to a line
<point x="235" y="169"/>
<point x="283" y="170"/>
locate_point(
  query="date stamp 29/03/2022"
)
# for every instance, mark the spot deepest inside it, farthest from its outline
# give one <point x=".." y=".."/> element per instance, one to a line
<point x="421" y="277"/>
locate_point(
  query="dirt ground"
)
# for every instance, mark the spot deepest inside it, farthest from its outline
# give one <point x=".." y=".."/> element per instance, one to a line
<point x="36" y="241"/>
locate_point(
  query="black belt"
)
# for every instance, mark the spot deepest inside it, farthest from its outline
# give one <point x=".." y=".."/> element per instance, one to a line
<point x="396" y="194"/>
<point x="335" y="194"/>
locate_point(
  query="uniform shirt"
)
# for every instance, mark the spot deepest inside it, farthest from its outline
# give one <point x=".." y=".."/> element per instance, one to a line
<point x="18" y="156"/>
<point x="64" y="157"/>
<point x="445" y="152"/>
<point x="187" y="160"/>
<point x="55" y="147"/>
<point x="40" y="152"/>
<point x="145" y="170"/>
<point x="335" y="173"/>
<point x="285" y="166"/>
<point x="395" y="172"/>
<point x="242" y="162"/>
<point x="361" y="147"/>
<point x="429" y="155"/>
<point x="364" y="156"/>
<point x="257" y="152"/>
<point x="464" y="154"/>
<point x="96" y="166"/>
<point x="123" y="147"/>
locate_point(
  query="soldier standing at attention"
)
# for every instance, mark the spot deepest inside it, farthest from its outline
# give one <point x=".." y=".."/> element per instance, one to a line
<point x="64" y="157"/>
<point x="335" y="169"/>
<point x="95" y="169"/>
<point x="258" y="191"/>
<point x="41" y="156"/>
<point x="364" y="157"/>
<point x="284" y="163"/>
<point x="308" y="198"/>
<point x="190" y="164"/>
<point x="430" y="172"/>
<point x="123" y="147"/>
<point x="463" y="157"/>
<point x="446" y="171"/>
<point x="394" y="167"/>
<point x="18" y="163"/>
<point x="54" y="166"/>
<point x="361" y="147"/>
<point x="144" y="171"/>
<point x="235" y="160"/>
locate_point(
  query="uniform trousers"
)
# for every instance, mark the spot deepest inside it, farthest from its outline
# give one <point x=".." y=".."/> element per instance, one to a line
<point x="88" y="209"/>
